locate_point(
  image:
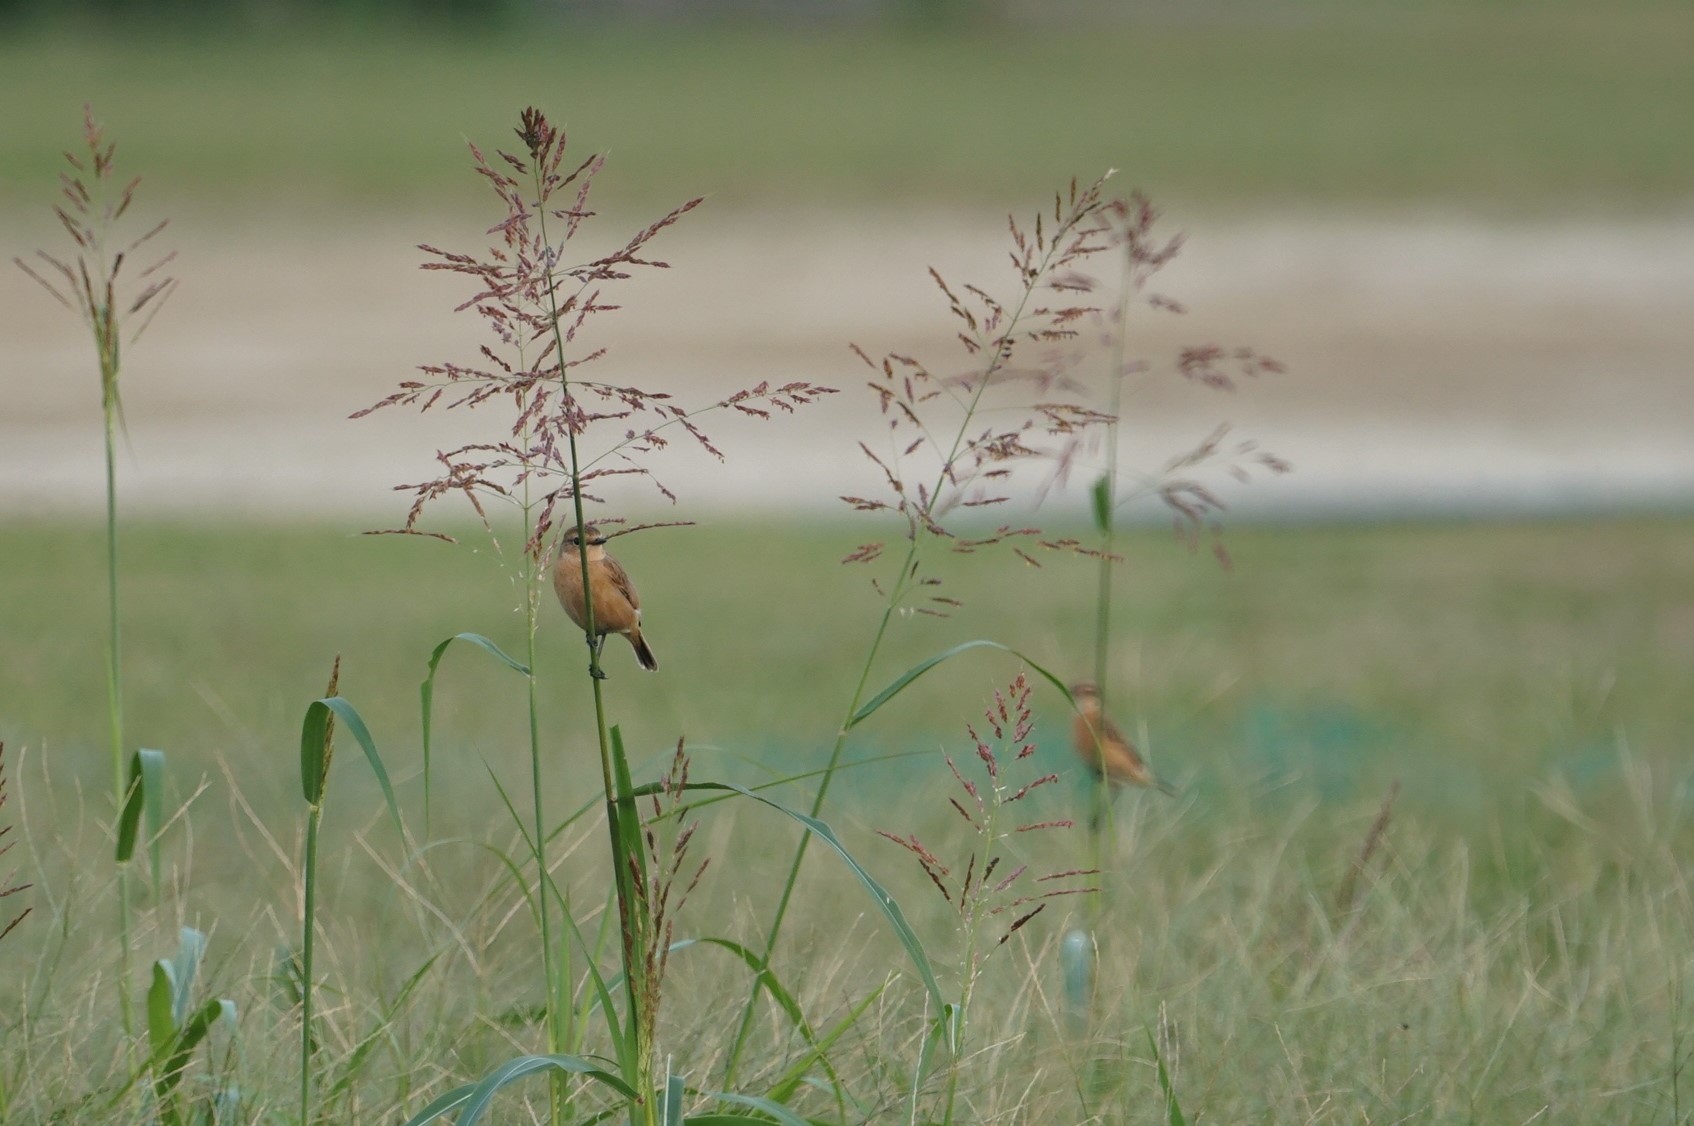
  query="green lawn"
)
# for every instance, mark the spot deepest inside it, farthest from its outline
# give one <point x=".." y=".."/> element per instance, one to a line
<point x="1470" y="661"/>
<point x="1504" y="108"/>
<point x="1517" y="948"/>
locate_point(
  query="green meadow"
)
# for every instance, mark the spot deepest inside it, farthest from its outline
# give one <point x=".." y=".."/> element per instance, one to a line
<point x="1517" y="939"/>
<point x="1501" y="108"/>
<point x="1427" y="860"/>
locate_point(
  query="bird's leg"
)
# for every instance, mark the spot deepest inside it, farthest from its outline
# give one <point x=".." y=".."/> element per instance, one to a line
<point x="1102" y="800"/>
<point x="595" y="644"/>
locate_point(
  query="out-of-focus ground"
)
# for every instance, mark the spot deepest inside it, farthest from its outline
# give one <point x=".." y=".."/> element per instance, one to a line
<point x="1433" y="363"/>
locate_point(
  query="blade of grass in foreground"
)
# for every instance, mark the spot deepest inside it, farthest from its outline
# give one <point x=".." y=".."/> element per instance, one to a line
<point x="426" y="697"/>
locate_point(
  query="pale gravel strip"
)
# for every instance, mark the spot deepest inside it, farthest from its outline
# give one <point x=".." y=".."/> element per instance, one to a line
<point x="1435" y="363"/>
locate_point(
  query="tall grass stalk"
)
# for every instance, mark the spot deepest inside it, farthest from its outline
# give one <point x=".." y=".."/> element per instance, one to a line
<point x="1194" y="504"/>
<point x="93" y="205"/>
<point x="317" y="749"/>
<point x="537" y="305"/>
<point x="969" y="465"/>
<point x="990" y="885"/>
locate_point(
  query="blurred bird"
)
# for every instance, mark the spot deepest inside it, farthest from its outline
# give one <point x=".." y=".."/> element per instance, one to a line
<point x="617" y="608"/>
<point x="1103" y="747"/>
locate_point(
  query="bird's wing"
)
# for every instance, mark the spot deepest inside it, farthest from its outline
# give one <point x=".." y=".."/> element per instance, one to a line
<point x="620" y="580"/>
<point x="1110" y="734"/>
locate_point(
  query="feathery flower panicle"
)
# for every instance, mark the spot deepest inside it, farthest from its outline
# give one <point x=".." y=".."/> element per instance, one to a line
<point x="537" y="304"/>
<point x="96" y="284"/>
<point x="1180" y="483"/>
<point x="5" y="847"/>
<point x="667" y="857"/>
<point x="938" y="458"/>
<point x="992" y="883"/>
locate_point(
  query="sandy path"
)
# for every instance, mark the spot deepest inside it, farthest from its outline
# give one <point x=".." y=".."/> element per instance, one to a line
<point x="1431" y="362"/>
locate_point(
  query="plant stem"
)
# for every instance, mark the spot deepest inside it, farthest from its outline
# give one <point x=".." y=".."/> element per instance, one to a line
<point x="556" y="1088"/>
<point x="104" y="331"/>
<point x="901" y="585"/>
<point x="308" y="943"/>
<point x="638" y="1055"/>
<point x="1105" y="829"/>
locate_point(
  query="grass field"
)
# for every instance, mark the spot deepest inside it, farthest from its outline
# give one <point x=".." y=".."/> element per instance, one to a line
<point x="1500" y="108"/>
<point x="1520" y="948"/>
<point x="1427" y="856"/>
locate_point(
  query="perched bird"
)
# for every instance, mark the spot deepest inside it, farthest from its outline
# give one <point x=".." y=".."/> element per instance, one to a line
<point x="1103" y="747"/>
<point x="617" y="608"/>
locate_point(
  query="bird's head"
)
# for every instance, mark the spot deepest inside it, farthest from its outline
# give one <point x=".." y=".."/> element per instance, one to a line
<point x="589" y="534"/>
<point x="1085" y="692"/>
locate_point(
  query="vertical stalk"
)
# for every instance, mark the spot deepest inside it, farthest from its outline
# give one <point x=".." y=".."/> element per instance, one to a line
<point x="556" y="1087"/>
<point x="308" y="946"/>
<point x="1001" y="353"/>
<point x="105" y="338"/>
<point x="1104" y="828"/>
<point x="630" y="912"/>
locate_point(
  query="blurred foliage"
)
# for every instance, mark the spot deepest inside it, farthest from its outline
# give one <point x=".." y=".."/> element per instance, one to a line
<point x="1478" y="107"/>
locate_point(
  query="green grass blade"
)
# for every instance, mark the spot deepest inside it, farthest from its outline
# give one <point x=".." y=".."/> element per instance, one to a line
<point x="144" y="794"/>
<point x="314" y="752"/>
<point x="602" y="987"/>
<point x="630" y="857"/>
<point x="671" y="1110"/>
<point x="161" y="1025"/>
<point x="884" y="902"/>
<point x="769" y="1107"/>
<point x="441" y="1104"/>
<point x="1101" y="494"/>
<point x="312" y="739"/>
<point x="785" y="1000"/>
<point x="796" y="1074"/>
<point x="906" y="678"/>
<point x="779" y="992"/>
<point x="191" y="948"/>
<point x="1173" y="1110"/>
<point x="426" y="695"/>
<point x="361" y="1054"/>
<point x="193" y="1031"/>
<point x="478" y="1098"/>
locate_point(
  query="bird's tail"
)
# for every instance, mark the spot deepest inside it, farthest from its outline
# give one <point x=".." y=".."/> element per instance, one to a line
<point x="643" y="653"/>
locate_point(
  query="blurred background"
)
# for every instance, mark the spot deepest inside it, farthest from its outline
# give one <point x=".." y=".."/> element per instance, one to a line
<point x="1464" y="226"/>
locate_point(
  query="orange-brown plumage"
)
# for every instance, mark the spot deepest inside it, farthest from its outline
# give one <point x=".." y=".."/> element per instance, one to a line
<point x="1104" y="748"/>
<point x="617" y="607"/>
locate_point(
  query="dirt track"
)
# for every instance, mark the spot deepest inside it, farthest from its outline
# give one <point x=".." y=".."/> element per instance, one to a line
<point x="1432" y="362"/>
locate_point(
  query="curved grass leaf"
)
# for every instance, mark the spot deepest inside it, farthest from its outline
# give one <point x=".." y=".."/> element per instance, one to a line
<point x="426" y="694"/>
<point x="629" y="860"/>
<point x="146" y="792"/>
<point x="906" y="678"/>
<point x="796" y="1073"/>
<point x="779" y="992"/>
<point x="768" y="979"/>
<point x="670" y="1111"/>
<point x="884" y="901"/>
<point x="473" y="1099"/>
<point x="172" y="1030"/>
<point x="770" y="1107"/>
<point x="315" y="751"/>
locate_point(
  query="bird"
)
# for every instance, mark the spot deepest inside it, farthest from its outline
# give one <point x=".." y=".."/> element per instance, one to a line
<point x="617" y="608"/>
<point x="1103" y="747"/>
